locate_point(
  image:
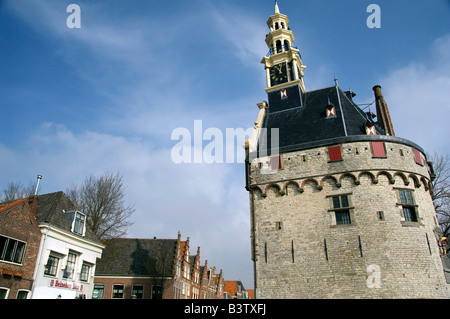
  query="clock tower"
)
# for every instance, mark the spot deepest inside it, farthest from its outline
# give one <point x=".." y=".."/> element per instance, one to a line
<point x="283" y="65"/>
<point x="340" y="207"/>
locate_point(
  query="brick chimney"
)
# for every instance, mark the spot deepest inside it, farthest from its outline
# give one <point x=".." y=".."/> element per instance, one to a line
<point x="383" y="117"/>
<point x="33" y="203"/>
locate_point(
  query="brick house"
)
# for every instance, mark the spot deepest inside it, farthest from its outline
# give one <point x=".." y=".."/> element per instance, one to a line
<point x="211" y="283"/>
<point x="235" y="289"/>
<point x="133" y="268"/>
<point x="20" y="237"/>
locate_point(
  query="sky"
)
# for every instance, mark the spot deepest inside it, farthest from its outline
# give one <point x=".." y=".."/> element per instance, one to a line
<point x="110" y="95"/>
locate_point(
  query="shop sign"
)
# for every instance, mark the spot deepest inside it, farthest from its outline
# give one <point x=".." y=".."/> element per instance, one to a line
<point x="55" y="283"/>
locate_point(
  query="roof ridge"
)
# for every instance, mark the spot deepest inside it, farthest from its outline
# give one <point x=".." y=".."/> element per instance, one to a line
<point x="14" y="203"/>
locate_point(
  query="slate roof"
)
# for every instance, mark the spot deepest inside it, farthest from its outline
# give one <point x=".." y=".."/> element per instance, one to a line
<point x="137" y="257"/>
<point x="303" y="123"/>
<point x="50" y="210"/>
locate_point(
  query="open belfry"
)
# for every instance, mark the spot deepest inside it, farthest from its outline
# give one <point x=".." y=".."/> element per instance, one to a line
<point x="340" y="207"/>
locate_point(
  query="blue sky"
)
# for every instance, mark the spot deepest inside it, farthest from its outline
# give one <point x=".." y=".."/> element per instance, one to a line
<point x="107" y="96"/>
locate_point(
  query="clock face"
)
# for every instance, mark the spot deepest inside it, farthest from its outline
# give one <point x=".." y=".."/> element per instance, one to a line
<point x="278" y="74"/>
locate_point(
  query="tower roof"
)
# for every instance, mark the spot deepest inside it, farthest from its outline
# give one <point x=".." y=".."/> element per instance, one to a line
<point x="306" y="124"/>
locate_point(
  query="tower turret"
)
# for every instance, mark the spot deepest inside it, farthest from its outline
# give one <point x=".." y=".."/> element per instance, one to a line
<point x="282" y="63"/>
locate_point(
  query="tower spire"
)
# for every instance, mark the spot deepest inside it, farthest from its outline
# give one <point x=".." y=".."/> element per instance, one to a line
<point x="277" y="9"/>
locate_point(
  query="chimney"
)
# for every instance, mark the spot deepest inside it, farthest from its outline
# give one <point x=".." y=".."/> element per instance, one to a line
<point x="33" y="203"/>
<point x="383" y="117"/>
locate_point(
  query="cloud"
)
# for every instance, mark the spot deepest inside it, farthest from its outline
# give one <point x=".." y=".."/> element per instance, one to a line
<point x="418" y="98"/>
<point x="206" y="202"/>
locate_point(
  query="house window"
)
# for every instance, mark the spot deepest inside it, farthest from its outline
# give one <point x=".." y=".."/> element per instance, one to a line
<point x="78" y="225"/>
<point x="378" y="149"/>
<point x="335" y="153"/>
<point x="156" y="292"/>
<point x="341" y="208"/>
<point x="137" y="292"/>
<point x="101" y="290"/>
<point x="22" y="294"/>
<point x="4" y="293"/>
<point x="85" y="271"/>
<point x="52" y="266"/>
<point x="408" y="205"/>
<point x="117" y="291"/>
<point x="11" y="250"/>
<point x="70" y="266"/>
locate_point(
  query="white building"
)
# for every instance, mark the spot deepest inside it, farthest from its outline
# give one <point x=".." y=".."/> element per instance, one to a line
<point x="68" y="253"/>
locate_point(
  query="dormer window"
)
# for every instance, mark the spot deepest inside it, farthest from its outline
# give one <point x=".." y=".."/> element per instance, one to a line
<point x="331" y="111"/>
<point x="78" y="225"/>
<point x="77" y="222"/>
<point x="370" y="129"/>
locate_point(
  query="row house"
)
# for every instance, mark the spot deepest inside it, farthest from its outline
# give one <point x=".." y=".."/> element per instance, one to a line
<point x="212" y="283"/>
<point x="47" y="249"/>
<point x="234" y="289"/>
<point x="19" y="247"/>
<point x="136" y="268"/>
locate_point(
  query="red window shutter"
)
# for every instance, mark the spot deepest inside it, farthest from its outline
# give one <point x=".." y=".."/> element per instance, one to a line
<point x="417" y="156"/>
<point x="378" y="149"/>
<point x="335" y="153"/>
<point x="275" y="162"/>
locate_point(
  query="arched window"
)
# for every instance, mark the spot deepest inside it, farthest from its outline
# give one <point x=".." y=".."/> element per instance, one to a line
<point x="279" y="46"/>
<point x="286" y="45"/>
<point x="277" y="26"/>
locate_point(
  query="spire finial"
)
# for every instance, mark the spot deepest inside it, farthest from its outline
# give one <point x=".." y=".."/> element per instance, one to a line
<point x="335" y="80"/>
<point x="277" y="10"/>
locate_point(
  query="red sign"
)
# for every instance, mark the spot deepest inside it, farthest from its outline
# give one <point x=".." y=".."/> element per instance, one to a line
<point x="55" y="283"/>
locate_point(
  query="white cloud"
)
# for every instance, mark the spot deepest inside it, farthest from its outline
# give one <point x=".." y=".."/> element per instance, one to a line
<point x="418" y="97"/>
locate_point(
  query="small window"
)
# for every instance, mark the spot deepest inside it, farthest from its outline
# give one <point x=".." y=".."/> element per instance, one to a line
<point x="278" y="226"/>
<point x="85" y="271"/>
<point x="157" y="292"/>
<point x="341" y="208"/>
<point x="70" y="266"/>
<point x="380" y="215"/>
<point x="11" y="250"/>
<point x="335" y="153"/>
<point x="117" y="291"/>
<point x="331" y="111"/>
<point x="137" y="292"/>
<point x="23" y="294"/>
<point x="378" y="149"/>
<point x="417" y="157"/>
<point x="4" y="293"/>
<point x="101" y="290"/>
<point x="78" y="225"/>
<point x="370" y="129"/>
<point x="276" y="162"/>
<point x="408" y="205"/>
<point x="51" y="267"/>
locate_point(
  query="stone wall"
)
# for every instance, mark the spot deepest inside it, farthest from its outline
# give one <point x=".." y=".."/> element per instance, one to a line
<point x="301" y="252"/>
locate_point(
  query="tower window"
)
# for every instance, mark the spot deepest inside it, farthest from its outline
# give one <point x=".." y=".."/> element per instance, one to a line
<point x="278" y="226"/>
<point x="378" y="149"/>
<point x="406" y="200"/>
<point x="334" y="153"/>
<point x="340" y="206"/>
<point x="417" y="157"/>
<point x="331" y="111"/>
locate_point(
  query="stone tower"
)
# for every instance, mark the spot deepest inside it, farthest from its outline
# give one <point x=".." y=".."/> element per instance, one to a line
<point x="339" y="206"/>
